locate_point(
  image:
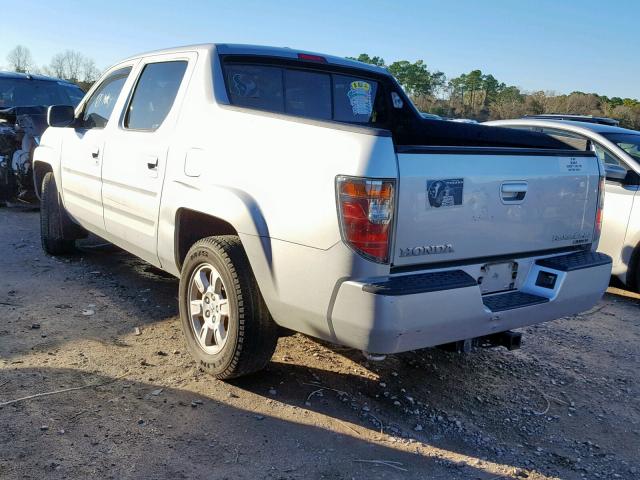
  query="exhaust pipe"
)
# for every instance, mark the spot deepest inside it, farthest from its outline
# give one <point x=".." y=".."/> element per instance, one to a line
<point x="373" y="357"/>
<point x="510" y="340"/>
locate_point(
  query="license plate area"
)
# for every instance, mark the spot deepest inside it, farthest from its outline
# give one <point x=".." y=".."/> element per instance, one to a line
<point x="498" y="277"/>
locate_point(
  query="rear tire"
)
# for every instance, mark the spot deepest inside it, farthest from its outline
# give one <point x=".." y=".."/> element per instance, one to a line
<point x="52" y="220"/>
<point x="226" y="324"/>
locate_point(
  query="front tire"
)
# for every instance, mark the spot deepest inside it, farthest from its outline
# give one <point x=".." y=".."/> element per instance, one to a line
<point x="52" y="220"/>
<point x="226" y="324"/>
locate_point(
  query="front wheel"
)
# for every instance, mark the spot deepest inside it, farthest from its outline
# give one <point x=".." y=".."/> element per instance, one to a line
<point x="227" y="326"/>
<point x="53" y="218"/>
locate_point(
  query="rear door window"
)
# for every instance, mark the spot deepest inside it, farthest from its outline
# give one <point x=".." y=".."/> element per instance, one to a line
<point x="606" y="157"/>
<point x="154" y="95"/>
<point x="572" y="139"/>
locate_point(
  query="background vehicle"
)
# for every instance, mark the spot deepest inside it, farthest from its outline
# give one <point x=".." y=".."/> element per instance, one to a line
<point x="619" y="150"/>
<point x="431" y="116"/>
<point x="24" y="99"/>
<point x="464" y="120"/>
<point x="297" y="190"/>
<point x="575" y="118"/>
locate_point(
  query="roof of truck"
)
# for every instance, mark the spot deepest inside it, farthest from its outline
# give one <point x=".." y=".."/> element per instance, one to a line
<point x="261" y="50"/>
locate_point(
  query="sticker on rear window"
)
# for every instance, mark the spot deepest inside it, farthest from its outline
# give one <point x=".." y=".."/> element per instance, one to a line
<point x="397" y="101"/>
<point x="360" y="98"/>
<point x="445" y="193"/>
<point x="573" y="165"/>
<point x="244" y="86"/>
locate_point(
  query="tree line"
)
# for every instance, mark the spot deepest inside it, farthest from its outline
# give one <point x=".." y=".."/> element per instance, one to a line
<point x="482" y="97"/>
<point x="69" y="65"/>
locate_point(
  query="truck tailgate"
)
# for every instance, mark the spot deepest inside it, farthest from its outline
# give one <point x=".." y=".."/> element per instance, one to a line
<point x="464" y="203"/>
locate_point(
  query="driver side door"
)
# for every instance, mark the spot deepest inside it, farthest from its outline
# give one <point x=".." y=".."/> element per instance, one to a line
<point x="83" y="149"/>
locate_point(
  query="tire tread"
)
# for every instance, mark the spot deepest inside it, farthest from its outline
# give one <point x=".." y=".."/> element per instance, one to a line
<point x="52" y="216"/>
<point x="257" y="332"/>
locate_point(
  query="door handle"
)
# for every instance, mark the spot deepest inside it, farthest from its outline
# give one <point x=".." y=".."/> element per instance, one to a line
<point x="152" y="163"/>
<point x="513" y="191"/>
<point x="95" y="153"/>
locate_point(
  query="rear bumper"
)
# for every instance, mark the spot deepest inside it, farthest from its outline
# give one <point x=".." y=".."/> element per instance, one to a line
<point x="414" y="311"/>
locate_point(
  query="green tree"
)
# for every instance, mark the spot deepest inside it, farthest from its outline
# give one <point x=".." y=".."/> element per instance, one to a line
<point x="365" y="58"/>
<point x="415" y="78"/>
<point x="492" y="87"/>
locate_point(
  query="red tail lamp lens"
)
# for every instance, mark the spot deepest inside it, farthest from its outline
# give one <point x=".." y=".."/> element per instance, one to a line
<point x="366" y="213"/>
<point x="312" y="58"/>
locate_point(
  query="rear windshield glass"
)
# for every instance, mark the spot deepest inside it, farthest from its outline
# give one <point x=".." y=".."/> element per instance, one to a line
<point x="305" y="93"/>
<point x="18" y="92"/>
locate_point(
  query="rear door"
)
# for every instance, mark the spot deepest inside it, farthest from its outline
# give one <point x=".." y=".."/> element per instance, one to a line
<point x="462" y="203"/>
<point x="83" y="151"/>
<point x="136" y="153"/>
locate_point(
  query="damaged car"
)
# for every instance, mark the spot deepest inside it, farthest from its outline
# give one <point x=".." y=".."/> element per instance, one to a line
<point x="24" y="99"/>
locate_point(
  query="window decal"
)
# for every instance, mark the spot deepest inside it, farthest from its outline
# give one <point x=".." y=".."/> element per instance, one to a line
<point x="397" y="101"/>
<point x="360" y="98"/>
<point x="243" y="86"/>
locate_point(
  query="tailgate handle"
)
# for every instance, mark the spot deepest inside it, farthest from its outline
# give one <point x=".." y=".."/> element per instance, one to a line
<point x="513" y="191"/>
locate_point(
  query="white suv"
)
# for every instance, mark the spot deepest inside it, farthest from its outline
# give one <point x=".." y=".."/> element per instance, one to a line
<point x="619" y="150"/>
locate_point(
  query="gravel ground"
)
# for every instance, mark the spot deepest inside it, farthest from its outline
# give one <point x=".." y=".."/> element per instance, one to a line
<point x="564" y="406"/>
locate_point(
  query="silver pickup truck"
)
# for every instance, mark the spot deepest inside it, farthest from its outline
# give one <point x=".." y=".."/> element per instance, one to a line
<point x="295" y="191"/>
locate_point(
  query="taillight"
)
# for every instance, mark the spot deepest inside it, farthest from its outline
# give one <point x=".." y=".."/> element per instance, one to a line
<point x="599" y="212"/>
<point x="366" y="212"/>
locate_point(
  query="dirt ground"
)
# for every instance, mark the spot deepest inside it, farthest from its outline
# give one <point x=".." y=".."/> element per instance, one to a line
<point x="567" y="405"/>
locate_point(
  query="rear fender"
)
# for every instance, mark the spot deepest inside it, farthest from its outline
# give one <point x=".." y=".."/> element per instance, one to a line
<point x="231" y="205"/>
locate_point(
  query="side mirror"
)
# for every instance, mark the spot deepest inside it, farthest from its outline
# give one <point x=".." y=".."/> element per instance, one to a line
<point x="60" y="115"/>
<point x="615" y="172"/>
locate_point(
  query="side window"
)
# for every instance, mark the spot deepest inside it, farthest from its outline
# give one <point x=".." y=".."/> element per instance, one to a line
<point x="308" y="94"/>
<point x="99" y="107"/>
<point x="606" y="157"/>
<point x="572" y="139"/>
<point x="255" y="86"/>
<point x="154" y="95"/>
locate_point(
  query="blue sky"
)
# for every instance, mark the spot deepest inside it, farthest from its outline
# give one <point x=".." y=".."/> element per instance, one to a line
<point x="560" y="45"/>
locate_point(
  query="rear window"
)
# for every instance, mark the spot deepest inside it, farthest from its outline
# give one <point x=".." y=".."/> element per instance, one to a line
<point x="256" y="86"/>
<point x="305" y="93"/>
